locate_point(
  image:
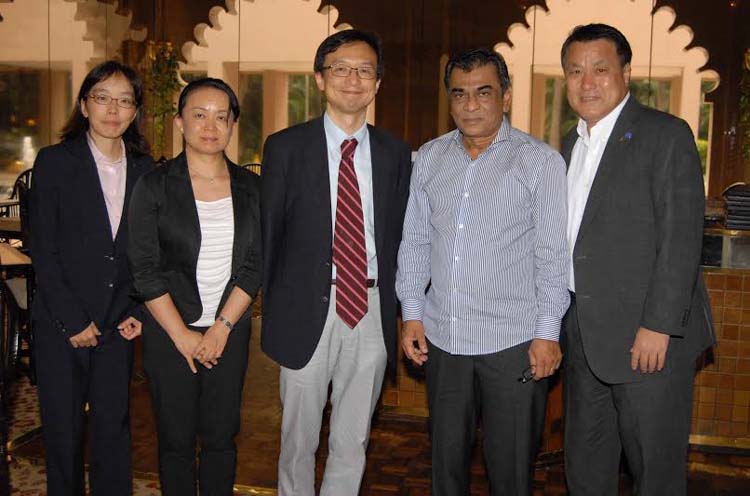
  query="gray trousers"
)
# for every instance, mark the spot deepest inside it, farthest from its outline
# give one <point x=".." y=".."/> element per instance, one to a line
<point x="354" y="361"/>
<point x="648" y="420"/>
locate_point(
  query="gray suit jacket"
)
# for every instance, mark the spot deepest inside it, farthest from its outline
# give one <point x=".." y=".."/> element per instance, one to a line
<point x="637" y="256"/>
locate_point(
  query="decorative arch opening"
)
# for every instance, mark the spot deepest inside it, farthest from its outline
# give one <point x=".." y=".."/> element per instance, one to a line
<point x="265" y="50"/>
<point x="667" y="73"/>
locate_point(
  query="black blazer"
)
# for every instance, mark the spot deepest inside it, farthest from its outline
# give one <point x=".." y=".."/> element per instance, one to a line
<point x="297" y="237"/>
<point x="82" y="274"/>
<point x="637" y="255"/>
<point x="165" y="236"/>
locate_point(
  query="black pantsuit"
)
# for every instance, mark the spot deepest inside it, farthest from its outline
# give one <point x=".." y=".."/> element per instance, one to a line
<point x="67" y="379"/>
<point x="82" y="277"/>
<point x="512" y="414"/>
<point x="207" y="403"/>
<point x="164" y="247"/>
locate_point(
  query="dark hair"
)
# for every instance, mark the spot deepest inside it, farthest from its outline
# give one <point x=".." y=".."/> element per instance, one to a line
<point x="234" y="104"/>
<point x="593" y="32"/>
<point x="478" y="57"/>
<point x="78" y="124"/>
<point x="333" y="42"/>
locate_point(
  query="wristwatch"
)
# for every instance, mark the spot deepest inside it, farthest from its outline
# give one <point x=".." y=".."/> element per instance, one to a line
<point x="226" y="322"/>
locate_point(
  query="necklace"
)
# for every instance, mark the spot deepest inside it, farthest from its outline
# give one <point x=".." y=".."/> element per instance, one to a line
<point x="210" y="179"/>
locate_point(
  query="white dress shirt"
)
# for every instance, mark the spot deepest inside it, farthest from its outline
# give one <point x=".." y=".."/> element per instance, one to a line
<point x="363" y="168"/>
<point x="584" y="162"/>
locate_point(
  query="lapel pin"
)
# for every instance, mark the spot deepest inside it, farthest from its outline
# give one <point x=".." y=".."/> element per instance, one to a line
<point x="626" y="137"/>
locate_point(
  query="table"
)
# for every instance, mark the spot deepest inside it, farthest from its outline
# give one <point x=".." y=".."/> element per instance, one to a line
<point x="10" y="255"/>
<point x="10" y="227"/>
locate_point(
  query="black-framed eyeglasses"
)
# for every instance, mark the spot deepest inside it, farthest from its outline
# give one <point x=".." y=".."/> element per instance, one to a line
<point x="526" y="376"/>
<point x="343" y="70"/>
<point x="125" y="102"/>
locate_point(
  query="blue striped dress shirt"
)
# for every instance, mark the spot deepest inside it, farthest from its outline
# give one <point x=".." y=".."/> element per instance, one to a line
<point x="489" y="237"/>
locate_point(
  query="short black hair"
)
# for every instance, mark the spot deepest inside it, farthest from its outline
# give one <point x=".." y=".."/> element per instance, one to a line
<point x="478" y="57"/>
<point x="593" y="32"/>
<point x="77" y="124"/>
<point x="234" y="104"/>
<point x="333" y="42"/>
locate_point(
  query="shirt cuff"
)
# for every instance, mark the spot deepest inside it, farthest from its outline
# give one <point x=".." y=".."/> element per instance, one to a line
<point x="412" y="309"/>
<point x="547" y="327"/>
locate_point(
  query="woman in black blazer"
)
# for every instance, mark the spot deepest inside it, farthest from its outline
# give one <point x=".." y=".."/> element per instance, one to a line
<point x="78" y="246"/>
<point x="195" y="253"/>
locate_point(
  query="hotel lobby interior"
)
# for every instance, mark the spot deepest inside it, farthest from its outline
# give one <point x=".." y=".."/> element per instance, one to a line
<point x="691" y="58"/>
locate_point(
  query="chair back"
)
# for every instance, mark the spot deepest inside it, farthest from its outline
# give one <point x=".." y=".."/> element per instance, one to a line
<point x="252" y="167"/>
<point x="23" y="212"/>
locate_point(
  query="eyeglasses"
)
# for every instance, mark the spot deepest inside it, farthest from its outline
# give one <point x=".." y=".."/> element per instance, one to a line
<point x="341" y="70"/>
<point x="124" y="102"/>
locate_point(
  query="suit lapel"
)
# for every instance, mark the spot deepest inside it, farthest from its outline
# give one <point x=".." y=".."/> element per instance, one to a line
<point x="316" y="160"/>
<point x="130" y="178"/>
<point x="242" y="210"/>
<point x="614" y="157"/>
<point x="179" y="191"/>
<point x="90" y="184"/>
<point x="381" y="168"/>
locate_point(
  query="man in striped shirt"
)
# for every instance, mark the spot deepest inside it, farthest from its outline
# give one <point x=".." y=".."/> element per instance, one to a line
<point x="484" y="236"/>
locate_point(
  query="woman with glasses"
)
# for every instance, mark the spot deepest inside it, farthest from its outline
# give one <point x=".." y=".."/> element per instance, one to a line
<point x="84" y="319"/>
<point x="195" y="253"/>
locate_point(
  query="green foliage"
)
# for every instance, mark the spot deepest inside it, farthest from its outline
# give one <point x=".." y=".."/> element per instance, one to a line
<point x="251" y="119"/>
<point x="161" y="85"/>
<point x="702" y="146"/>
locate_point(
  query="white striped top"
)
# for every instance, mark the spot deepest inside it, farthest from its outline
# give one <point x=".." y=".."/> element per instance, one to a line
<point x="489" y="235"/>
<point x="215" y="256"/>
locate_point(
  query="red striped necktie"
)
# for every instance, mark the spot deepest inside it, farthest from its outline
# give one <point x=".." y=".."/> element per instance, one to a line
<point x="349" y="252"/>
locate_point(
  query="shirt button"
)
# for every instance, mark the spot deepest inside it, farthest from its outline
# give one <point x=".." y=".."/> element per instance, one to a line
<point x="453" y="319"/>
<point x="460" y="226"/>
<point x="456" y="258"/>
<point x="466" y="194"/>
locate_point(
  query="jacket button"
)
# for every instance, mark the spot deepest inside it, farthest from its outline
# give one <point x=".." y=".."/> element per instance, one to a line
<point x="324" y="299"/>
<point x="328" y="264"/>
<point x="110" y="285"/>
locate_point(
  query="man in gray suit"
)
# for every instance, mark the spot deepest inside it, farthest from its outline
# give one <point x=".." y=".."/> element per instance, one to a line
<point x="639" y="315"/>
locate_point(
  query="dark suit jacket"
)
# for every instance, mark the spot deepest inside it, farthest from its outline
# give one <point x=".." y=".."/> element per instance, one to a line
<point x="165" y="236"/>
<point x="297" y="237"/>
<point x="637" y="255"/>
<point x="82" y="274"/>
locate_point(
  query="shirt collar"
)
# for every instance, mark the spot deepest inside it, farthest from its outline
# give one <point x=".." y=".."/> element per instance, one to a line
<point x="101" y="158"/>
<point x="503" y="134"/>
<point x="338" y="136"/>
<point x="604" y="127"/>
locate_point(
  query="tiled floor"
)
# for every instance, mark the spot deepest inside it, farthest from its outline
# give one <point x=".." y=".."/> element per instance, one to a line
<point x="398" y="460"/>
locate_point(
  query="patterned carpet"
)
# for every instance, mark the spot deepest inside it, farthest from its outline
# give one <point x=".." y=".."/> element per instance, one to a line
<point x="28" y="476"/>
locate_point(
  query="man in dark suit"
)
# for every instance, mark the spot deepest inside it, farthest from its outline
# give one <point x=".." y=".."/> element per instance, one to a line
<point x="639" y="315"/>
<point x="334" y="191"/>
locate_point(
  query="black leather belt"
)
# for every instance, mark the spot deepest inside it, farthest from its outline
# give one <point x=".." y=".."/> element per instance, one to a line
<point x="371" y="283"/>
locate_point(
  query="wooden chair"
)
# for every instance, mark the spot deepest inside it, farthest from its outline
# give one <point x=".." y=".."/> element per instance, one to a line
<point x="252" y="167"/>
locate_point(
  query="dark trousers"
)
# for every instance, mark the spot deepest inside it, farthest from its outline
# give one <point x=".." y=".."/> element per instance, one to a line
<point x="459" y="388"/>
<point x="204" y="405"/>
<point x="67" y="379"/>
<point x="648" y="420"/>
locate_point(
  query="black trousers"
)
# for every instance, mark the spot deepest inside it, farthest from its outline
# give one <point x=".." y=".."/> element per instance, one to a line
<point x="67" y="379"/>
<point x="205" y="405"/>
<point x="648" y="420"/>
<point x="459" y="388"/>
